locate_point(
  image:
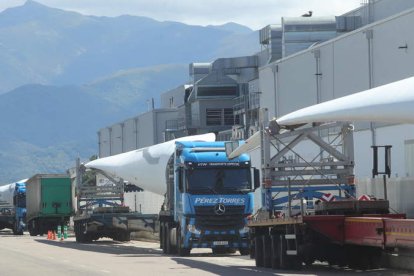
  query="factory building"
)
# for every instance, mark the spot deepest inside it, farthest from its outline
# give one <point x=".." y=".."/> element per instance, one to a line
<point x="304" y="61"/>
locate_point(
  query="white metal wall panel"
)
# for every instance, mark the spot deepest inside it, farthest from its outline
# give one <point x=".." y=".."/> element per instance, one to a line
<point x="161" y="118"/>
<point x="392" y="63"/>
<point x="297" y="83"/>
<point x="409" y="157"/>
<point x="146" y="130"/>
<point x="396" y="136"/>
<point x="116" y="139"/>
<point x="327" y="71"/>
<point x="351" y="70"/>
<point x="400" y="191"/>
<point x="267" y="87"/>
<point x="130" y="141"/>
<point x="386" y="8"/>
<point x="104" y="142"/>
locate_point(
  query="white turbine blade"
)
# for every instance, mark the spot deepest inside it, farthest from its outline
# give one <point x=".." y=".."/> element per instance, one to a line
<point x="144" y="167"/>
<point x="390" y="103"/>
<point x="251" y="143"/>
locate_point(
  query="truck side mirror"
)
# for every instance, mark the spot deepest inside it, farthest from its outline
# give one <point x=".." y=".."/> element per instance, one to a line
<point x="256" y="178"/>
<point x="180" y="180"/>
<point x="230" y="147"/>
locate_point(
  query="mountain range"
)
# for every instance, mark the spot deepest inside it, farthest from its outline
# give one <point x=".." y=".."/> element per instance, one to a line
<point x="65" y="75"/>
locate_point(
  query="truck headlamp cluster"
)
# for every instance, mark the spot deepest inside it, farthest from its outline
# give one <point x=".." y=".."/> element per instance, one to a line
<point x="192" y="229"/>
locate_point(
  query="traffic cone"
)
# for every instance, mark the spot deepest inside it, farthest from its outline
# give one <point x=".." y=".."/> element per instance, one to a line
<point x="53" y="235"/>
<point x="49" y="235"/>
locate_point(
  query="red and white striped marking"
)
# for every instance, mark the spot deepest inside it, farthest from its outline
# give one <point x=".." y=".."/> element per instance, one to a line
<point x="328" y="197"/>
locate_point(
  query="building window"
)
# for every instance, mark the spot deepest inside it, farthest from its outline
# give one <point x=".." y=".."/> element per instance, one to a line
<point x="220" y="116"/>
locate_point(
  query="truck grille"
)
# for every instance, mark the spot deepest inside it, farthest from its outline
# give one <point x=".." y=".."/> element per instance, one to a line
<point x="207" y="219"/>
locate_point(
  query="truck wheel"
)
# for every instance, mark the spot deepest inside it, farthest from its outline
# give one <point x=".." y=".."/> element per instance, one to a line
<point x="258" y="241"/>
<point x="80" y="234"/>
<point x="122" y="236"/>
<point x="32" y="228"/>
<point x="244" y="251"/>
<point x="283" y="258"/>
<point x="267" y="253"/>
<point x="16" y="230"/>
<point x="182" y="251"/>
<point x="161" y="233"/>
<point x="168" y="248"/>
<point x="164" y="238"/>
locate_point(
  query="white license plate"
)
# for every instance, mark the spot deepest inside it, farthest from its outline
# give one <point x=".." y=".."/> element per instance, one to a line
<point x="220" y="242"/>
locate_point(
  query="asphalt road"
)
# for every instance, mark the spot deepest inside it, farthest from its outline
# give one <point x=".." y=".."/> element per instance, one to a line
<point x="25" y="255"/>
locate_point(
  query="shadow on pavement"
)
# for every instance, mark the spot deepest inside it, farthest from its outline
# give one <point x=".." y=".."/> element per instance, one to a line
<point x="252" y="270"/>
<point x="107" y="247"/>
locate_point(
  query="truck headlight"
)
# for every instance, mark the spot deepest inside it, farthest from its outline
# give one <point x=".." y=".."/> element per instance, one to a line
<point x="192" y="229"/>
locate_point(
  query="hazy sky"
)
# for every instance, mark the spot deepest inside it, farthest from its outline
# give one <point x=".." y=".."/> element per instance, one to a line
<point x="252" y="13"/>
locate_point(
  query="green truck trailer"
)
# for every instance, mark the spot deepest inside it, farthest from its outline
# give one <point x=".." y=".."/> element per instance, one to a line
<point x="49" y="202"/>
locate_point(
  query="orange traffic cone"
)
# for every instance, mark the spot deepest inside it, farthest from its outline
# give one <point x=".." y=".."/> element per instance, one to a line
<point x="53" y="235"/>
<point x="49" y="235"/>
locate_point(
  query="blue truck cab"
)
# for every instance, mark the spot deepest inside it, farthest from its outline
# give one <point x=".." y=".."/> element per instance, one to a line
<point x="19" y="202"/>
<point x="13" y="207"/>
<point x="208" y="201"/>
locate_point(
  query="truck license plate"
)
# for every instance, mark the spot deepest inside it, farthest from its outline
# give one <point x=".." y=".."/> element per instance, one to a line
<point x="220" y="242"/>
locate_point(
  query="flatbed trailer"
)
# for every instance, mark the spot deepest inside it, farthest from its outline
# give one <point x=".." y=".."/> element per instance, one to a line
<point x="309" y="208"/>
<point x="101" y="211"/>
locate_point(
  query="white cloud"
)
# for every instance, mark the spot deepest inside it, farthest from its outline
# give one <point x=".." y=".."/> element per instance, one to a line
<point x="255" y="14"/>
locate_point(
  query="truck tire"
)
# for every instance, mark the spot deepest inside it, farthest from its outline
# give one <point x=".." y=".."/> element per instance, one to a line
<point x="80" y="234"/>
<point x="32" y="228"/>
<point x="244" y="251"/>
<point x="258" y="241"/>
<point x="168" y="247"/>
<point x="16" y="230"/>
<point x="181" y="250"/>
<point x="274" y="248"/>
<point x="122" y="236"/>
<point x="161" y="235"/>
<point x="267" y="253"/>
<point x="164" y="238"/>
<point x="283" y="257"/>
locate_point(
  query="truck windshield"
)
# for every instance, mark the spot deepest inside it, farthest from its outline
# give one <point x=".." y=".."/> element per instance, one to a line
<point x="218" y="180"/>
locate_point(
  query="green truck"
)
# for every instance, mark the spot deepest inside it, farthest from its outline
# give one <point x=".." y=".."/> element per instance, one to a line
<point x="49" y="202"/>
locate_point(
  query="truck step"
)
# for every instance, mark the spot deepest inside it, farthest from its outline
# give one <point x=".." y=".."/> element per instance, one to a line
<point x="291" y="252"/>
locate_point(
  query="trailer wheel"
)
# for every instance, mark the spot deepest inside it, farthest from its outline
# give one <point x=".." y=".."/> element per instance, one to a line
<point x="244" y="251"/>
<point x="161" y="233"/>
<point x="168" y="246"/>
<point x="80" y="234"/>
<point x="16" y="230"/>
<point x="258" y="241"/>
<point x="267" y="253"/>
<point x="122" y="236"/>
<point x="182" y="251"/>
<point x="32" y="228"/>
<point x="275" y="254"/>
<point x="375" y="258"/>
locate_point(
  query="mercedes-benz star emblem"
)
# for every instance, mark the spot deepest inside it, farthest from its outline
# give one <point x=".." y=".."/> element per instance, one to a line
<point x="219" y="209"/>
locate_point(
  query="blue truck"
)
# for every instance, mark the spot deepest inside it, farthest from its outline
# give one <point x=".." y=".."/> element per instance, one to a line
<point x="13" y="207"/>
<point x="208" y="201"/>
